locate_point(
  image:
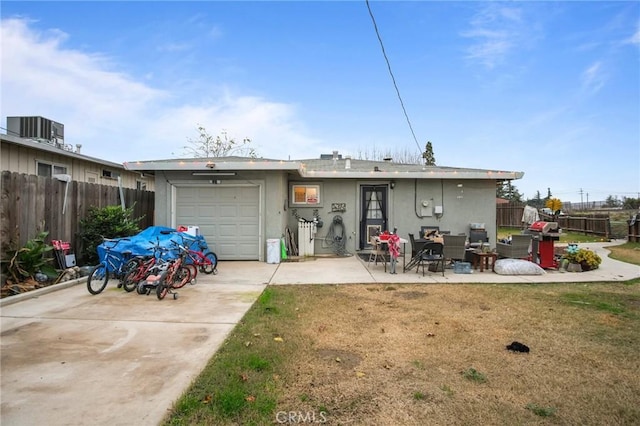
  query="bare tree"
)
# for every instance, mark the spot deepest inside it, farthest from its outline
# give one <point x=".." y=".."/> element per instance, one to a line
<point x="403" y="156"/>
<point x="207" y="145"/>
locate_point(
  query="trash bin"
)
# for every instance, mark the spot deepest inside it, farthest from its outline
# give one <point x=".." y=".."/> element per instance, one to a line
<point x="273" y="250"/>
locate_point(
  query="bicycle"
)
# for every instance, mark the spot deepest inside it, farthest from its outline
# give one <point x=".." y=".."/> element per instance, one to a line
<point x="114" y="265"/>
<point x="145" y="267"/>
<point x="205" y="260"/>
<point x="176" y="275"/>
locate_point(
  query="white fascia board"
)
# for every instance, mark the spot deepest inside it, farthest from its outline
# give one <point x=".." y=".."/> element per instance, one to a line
<point x="303" y="170"/>
<point x="204" y="165"/>
<point x="459" y="174"/>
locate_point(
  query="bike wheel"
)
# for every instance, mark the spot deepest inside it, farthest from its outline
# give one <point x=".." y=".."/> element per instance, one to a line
<point x="163" y="286"/>
<point x="181" y="277"/>
<point x="98" y="278"/>
<point x="129" y="282"/>
<point x="193" y="270"/>
<point x="210" y="263"/>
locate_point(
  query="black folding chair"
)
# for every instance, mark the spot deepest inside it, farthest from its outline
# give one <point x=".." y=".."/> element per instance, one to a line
<point x="431" y="254"/>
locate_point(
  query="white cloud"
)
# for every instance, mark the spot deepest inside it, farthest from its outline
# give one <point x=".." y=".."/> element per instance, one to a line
<point x="118" y="117"/>
<point x="593" y="78"/>
<point x="496" y="30"/>
<point x="635" y="38"/>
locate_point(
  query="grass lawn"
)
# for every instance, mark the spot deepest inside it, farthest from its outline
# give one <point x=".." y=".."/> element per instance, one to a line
<point x="428" y="354"/>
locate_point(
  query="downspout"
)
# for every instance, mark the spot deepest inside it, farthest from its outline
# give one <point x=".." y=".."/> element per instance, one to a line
<point x="415" y="199"/>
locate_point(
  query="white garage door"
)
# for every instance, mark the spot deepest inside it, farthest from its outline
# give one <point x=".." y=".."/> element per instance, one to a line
<point x="228" y="217"/>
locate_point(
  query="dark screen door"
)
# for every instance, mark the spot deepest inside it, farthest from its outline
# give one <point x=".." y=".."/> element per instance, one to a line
<point x="373" y="200"/>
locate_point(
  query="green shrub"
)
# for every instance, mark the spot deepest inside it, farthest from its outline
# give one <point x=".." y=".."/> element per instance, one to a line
<point x="23" y="263"/>
<point x="106" y="222"/>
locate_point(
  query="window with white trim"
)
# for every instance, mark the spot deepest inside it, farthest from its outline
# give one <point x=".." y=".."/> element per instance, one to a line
<point x="305" y="195"/>
<point x="46" y="169"/>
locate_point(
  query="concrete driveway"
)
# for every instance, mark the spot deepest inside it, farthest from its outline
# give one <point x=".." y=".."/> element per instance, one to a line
<point x="117" y="358"/>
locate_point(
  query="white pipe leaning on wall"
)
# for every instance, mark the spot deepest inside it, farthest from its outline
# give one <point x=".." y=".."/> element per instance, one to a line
<point x="66" y="179"/>
<point x="121" y="192"/>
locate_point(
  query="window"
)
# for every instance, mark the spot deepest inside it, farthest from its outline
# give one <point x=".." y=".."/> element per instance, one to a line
<point x="110" y="174"/>
<point x="141" y="185"/>
<point x="374" y="203"/>
<point x="305" y="194"/>
<point x="50" y="169"/>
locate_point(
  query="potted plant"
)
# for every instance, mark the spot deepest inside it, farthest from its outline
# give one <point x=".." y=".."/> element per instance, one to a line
<point x="584" y="258"/>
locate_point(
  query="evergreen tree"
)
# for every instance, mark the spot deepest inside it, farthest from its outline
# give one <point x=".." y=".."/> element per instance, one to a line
<point x="428" y="156"/>
<point x="507" y="191"/>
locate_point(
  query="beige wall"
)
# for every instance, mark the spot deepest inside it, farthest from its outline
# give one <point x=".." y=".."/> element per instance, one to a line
<point x="22" y="159"/>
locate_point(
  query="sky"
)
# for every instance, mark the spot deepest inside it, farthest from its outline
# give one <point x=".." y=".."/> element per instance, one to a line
<point x="551" y="89"/>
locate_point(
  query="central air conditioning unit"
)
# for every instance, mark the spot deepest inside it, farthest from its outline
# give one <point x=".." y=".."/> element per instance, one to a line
<point x="35" y="128"/>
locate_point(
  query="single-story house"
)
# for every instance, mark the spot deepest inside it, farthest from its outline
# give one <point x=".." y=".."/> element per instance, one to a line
<point x="240" y="204"/>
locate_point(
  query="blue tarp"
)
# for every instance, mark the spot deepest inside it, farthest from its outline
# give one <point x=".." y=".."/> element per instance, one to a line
<point x="142" y="243"/>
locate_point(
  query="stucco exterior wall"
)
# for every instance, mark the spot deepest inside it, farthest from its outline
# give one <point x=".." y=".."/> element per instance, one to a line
<point x="473" y="202"/>
<point x="463" y="202"/>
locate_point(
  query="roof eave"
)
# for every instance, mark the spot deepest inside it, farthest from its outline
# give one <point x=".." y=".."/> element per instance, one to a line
<point x="212" y="165"/>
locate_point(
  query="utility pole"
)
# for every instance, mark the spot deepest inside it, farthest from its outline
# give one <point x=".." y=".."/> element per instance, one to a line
<point x="581" y="202"/>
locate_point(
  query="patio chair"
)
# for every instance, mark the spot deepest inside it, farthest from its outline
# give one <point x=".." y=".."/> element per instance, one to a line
<point x="520" y="247"/>
<point x="415" y="245"/>
<point x="431" y="254"/>
<point x="378" y="253"/>
<point x="477" y="238"/>
<point x="455" y="247"/>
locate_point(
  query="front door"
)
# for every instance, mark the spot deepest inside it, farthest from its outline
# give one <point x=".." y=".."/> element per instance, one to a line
<point x="373" y="207"/>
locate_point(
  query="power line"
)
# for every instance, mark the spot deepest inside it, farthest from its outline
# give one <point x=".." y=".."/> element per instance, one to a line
<point x="384" y="53"/>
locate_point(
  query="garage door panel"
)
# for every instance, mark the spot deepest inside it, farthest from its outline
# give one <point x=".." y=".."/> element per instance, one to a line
<point x="228" y="230"/>
<point x="227" y="210"/>
<point x="228" y="218"/>
<point x="247" y="230"/>
<point x="248" y="211"/>
<point x="246" y="249"/>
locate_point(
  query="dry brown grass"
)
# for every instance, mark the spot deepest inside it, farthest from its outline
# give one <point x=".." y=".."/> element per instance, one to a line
<point x="368" y="354"/>
<point x="628" y="252"/>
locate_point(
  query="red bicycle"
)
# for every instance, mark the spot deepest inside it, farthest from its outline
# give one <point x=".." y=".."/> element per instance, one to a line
<point x="205" y="260"/>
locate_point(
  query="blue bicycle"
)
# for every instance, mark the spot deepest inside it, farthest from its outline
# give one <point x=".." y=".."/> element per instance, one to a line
<point x="115" y="265"/>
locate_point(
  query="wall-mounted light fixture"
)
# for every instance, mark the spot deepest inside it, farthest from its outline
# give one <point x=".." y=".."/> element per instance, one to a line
<point x="210" y="165"/>
<point x="213" y="173"/>
<point x="392" y="184"/>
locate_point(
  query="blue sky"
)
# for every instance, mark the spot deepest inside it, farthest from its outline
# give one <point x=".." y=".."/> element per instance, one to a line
<point x="548" y="88"/>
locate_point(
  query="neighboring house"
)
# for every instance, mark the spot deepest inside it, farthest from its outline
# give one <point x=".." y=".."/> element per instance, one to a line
<point x="35" y="146"/>
<point x="240" y="203"/>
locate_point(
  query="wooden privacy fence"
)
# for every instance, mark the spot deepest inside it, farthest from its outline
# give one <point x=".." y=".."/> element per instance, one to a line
<point x="510" y="215"/>
<point x="32" y="204"/>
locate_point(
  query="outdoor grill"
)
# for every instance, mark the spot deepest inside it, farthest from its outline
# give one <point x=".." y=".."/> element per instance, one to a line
<point x="543" y="235"/>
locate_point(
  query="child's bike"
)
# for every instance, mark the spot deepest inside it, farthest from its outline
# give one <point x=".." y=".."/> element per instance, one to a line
<point x="114" y="265"/>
